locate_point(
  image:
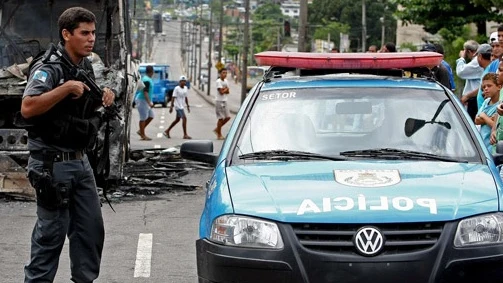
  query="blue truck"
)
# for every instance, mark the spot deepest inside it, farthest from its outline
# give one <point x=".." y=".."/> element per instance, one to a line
<point x="164" y="83"/>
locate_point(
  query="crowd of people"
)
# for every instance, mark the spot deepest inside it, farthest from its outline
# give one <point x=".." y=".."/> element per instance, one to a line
<point x="481" y="66"/>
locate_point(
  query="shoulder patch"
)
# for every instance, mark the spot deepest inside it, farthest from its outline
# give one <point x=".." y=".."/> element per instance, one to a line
<point x="40" y="75"/>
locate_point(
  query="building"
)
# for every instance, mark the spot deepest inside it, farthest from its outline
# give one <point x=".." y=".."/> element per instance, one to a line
<point x="290" y="9"/>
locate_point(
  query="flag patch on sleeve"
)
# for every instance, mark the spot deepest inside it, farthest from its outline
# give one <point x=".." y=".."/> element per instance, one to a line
<point x="40" y="75"/>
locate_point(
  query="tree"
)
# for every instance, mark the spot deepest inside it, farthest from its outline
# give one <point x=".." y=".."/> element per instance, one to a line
<point x="332" y="28"/>
<point x="267" y="23"/>
<point x="349" y="13"/>
<point x="435" y="15"/>
<point x="489" y="4"/>
<point x="265" y="35"/>
<point x="232" y="50"/>
<point x="268" y="10"/>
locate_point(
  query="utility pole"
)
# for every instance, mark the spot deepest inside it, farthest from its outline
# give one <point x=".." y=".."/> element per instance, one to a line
<point x="278" y="40"/>
<point x="200" y="41"/>
<point x="382" y="30"/>
<point x="220" y="33"/>
<point x="194" y="53"/>
<point x="182" y="41"/>
<point x="244" y="70"/>
<point x="364" y="27"/>
<point x="302" y="26"/>
<point x="210" y="35"/>
<point x="188" y="46"/>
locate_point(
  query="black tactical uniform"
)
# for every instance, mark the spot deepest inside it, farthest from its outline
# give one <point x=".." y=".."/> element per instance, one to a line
<point x="58" y="168"/>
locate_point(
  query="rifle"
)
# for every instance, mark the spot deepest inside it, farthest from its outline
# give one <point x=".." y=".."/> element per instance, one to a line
<point x="80" y="75"/>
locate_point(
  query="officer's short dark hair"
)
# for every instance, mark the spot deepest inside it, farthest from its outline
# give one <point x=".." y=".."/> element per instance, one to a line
<point x="72" y="17"/>
<point x="149" y="69"/>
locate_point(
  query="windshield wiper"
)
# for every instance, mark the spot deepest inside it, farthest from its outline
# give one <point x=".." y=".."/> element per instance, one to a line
<point x="288" y="155"/>
<point x="394" y="153"/>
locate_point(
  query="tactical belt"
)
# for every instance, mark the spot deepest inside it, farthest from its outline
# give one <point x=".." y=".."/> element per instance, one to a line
<point x="57" y="156"/>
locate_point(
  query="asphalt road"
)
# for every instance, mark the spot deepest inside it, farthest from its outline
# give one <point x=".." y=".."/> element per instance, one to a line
<point x="147" y="240"/>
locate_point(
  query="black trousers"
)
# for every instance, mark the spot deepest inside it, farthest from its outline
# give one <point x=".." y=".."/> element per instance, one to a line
<point x="472" y="107"/>
<point x="82" y="222"/>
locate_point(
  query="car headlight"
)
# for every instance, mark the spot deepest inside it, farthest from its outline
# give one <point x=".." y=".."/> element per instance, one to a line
<point x="242" y="231"/>
<point x="480" y="230"/>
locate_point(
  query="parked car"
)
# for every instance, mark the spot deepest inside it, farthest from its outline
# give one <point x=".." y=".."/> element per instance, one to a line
<point x="350" y="172"/>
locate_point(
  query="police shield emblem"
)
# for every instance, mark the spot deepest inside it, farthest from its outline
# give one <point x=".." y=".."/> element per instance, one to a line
<point x="367" y="178"/>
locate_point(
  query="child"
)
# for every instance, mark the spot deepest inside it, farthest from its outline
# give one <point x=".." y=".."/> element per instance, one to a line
<point x="486" y="116"/>
<point x="497" y="131"/>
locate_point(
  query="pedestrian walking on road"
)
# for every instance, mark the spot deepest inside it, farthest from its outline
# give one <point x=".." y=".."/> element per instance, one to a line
<point x="221" y="108"/>
<point x="62" y="127"/>
<point x="178" y="100"/>
<point x="143" y="101"/>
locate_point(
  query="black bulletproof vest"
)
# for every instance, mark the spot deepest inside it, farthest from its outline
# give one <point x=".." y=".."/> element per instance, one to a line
<point x="67" y="124"/>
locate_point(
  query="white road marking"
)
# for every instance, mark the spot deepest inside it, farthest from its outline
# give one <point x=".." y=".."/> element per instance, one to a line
<point x="157" y="146"/>
<point x="162" y="121"/>
<point x="161" y="127"/>
<point x="162" y="118"/>
<point x="143" y="256"/>
<point x="159" y="135"/>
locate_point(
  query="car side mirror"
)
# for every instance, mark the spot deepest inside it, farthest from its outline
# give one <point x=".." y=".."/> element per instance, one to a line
<point x="199" y="150"/>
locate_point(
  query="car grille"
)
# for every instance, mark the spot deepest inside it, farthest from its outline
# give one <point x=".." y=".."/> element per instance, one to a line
<point x="400" y="238"/>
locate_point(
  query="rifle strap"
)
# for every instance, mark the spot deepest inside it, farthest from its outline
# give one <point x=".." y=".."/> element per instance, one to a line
<point x="104" y="163"/>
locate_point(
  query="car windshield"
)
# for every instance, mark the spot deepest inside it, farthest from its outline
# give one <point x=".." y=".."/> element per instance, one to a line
<point x="332" y="121"/>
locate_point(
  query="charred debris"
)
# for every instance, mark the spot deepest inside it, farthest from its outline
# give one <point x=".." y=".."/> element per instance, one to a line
<point x="148" y="173"/>
<point x="155" y="171"/>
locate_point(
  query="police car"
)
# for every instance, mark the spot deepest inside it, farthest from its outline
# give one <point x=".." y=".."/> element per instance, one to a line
<point x="350" y="168"/>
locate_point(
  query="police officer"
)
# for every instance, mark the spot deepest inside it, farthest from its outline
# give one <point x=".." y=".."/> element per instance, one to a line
<point x="62" y="124"/>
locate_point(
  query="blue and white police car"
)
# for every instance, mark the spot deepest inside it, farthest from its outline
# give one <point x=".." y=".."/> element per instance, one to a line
<point x="350" y="168"/>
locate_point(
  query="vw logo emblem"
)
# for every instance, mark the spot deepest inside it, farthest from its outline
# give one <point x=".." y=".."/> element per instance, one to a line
<point x="369" y="241"/>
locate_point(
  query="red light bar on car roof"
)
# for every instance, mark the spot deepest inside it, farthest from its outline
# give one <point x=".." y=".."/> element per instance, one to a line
<point x="350" y="61"/>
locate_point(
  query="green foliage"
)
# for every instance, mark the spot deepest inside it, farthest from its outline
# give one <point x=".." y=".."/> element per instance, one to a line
<point x="349" y="13"/>
<point x="267" y="22"/>
<point x="489" y="4"/>
<point x="267" y="11"/>
<point x="332" y="28"/>
<point x="438" y="14"/>
<point x="265" y="35"/>
<point x="232" y="50"/>
<point x="408" y="46"/>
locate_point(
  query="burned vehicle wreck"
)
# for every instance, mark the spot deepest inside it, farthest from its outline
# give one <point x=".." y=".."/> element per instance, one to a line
<point x="28" y="28"/>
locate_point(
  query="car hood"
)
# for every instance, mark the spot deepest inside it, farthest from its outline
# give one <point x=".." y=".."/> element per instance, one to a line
<point x="362" y="192"/>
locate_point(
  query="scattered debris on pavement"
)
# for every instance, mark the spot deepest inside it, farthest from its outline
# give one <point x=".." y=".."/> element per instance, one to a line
<point x="148" y="172"/>
<point x="155" y="171"/>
